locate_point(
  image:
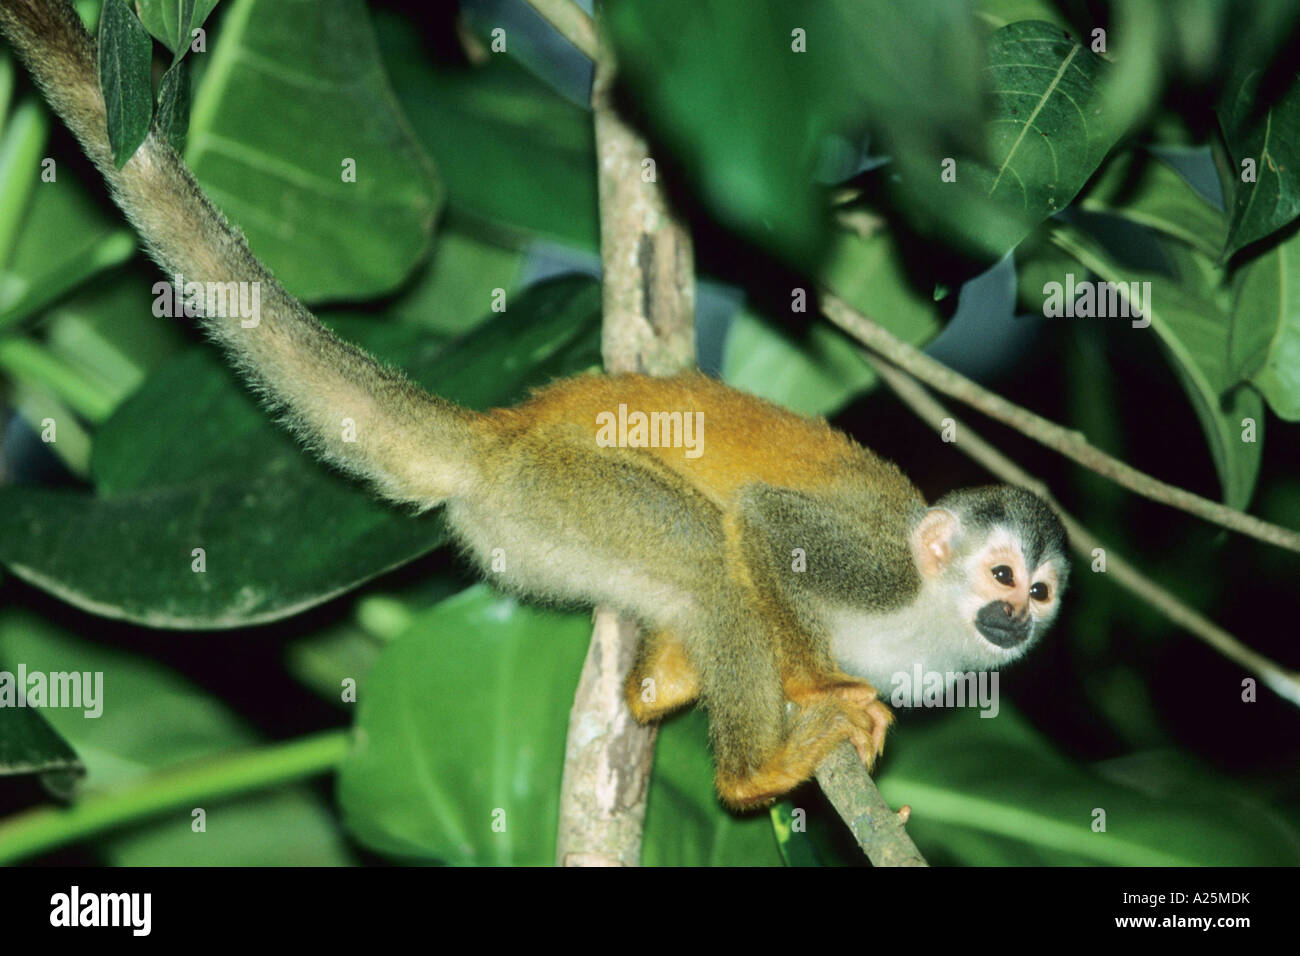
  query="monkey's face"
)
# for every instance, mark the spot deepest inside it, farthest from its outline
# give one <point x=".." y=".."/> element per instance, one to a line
<point x="1003" y="599"/>
<point x="1008" y="603"/>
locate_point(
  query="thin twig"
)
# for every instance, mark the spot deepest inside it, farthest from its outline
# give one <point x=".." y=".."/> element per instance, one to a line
<point x="571" y="22"/>
<point x="1072" y="444"/>
<point x="1284" y="682"/>
<point x="876" y="826"/>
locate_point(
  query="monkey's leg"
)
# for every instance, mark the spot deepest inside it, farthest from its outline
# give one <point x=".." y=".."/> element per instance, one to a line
<point x="813" y="732"/>
<point x="857" y="700"/>
<point x="760" y="750"/>
<point x="662" y="679"/>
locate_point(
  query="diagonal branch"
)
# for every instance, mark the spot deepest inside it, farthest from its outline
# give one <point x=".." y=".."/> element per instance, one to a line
<point x="1072" y="444"/>
<point x="1284" y="682"/>
<point x="876" y="826"/>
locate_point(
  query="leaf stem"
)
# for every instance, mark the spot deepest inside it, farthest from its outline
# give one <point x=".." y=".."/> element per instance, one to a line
<point x="20" y="154"/>
<point x="44" y="828"/>
<point x="28" y="361"/>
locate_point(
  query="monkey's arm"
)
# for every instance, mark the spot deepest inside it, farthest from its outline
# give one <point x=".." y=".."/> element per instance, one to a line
<point x="411" y="445"/>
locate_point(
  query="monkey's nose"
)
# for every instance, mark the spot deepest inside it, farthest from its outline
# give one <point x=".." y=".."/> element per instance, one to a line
<point x="1013" y="613"/>
<point x="998" y="622"/>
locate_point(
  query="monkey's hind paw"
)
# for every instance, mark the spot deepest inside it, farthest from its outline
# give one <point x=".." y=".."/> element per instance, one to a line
<point x="868" y="725"/>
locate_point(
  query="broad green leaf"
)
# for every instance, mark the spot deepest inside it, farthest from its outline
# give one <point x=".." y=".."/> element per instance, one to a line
<point x="454" y="290"/>
<point x="435" y="768"/>
<point x="1046" y="135"/>
<point x="1145" y="190"/>
<point x="1265" y="341"/>
<point x="1269" y="140"/>
<point x="819" y="373"/>
<point x="66" y="238"/>
<point x="153" y="720"/>
<point x="6" y="84"/>
<point x="868" y="272"/>
<point x="190" y="462"/>
<point x="174" y="104"/>
<point x="992" y="791"/>
<point x="511" y="150"/>
<point x="1195" y="333"/>
<point x="107" y="331"/>
<point x="466" y="778"/>
<point x="28" y="744"/>
<point x="324" y="659"/>
<point x="738" y="107"/>
<point x="816" y="374"/>
<point x="293" y="102"/>
<point x="173" y="22"/>
<point x="1000" y="13"/>
<point x="685" y="825"/>
<point x="25" y="136"/>
<point x="125" y="52"/>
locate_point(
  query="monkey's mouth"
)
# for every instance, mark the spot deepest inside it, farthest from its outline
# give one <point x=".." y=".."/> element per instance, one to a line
<point x="998" y="627"/>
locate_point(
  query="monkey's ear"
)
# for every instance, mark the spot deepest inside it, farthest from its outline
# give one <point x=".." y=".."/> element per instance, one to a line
<point x="932" y="540"/>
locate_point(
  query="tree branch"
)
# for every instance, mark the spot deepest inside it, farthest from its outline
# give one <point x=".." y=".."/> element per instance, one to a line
<point x="648" y="290"/>
<point x="1072" y="444"/>
<point x="875" y="825"/>
<point x="1284" y="682"/>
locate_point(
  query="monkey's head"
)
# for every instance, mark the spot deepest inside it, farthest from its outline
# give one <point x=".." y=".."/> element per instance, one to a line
<point x="996" y="556"/>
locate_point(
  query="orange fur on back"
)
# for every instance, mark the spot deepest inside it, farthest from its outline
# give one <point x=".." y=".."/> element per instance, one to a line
<point x="746" y="440"/>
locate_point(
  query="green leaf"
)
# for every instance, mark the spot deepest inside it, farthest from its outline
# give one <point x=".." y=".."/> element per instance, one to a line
<point x="190" y="462"/>
<point x="174" y="104"/>
<point x="154" y="720"/>
<point x="435" y="768"/>
<point x="454" y="290"/>
<point x="294" y="99"/>
<point x="821" y="372"/>
<point x="1039" y="808"/>
<point x="1000" y="13"/>
<point x="1046" y="135"/>
<point x="65" y="239"/>
<point x="685" y="825"/>
<point x="512" y="151"/>
<point x="1142" y="189"/>
<point x="1195" y="333"/>
<point x="173" y="22"/>
<point x="815" y="375"/>
<point x="125" y="52"/>
<point x="25" y="136"/>
<point x="1270" y="140"/>
<point x="720" y="83"/>
<point x="1265" y="339"/>
<point x="28" y="744"/>
<point x="466" y="778"/>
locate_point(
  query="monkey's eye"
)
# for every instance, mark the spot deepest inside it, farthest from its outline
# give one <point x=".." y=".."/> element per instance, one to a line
<point x="1003" y="575"/>
<point x="1038" y="592"/>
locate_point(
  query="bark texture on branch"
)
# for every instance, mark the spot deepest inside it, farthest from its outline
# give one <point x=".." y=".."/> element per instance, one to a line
<point x="648" y="285"/>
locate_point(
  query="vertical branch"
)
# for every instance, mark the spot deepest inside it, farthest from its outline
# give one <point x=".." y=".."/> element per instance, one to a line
<point x="649" y="326"/>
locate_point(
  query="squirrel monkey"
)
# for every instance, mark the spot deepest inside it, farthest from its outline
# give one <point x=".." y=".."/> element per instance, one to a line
<point x="779" y="564"/>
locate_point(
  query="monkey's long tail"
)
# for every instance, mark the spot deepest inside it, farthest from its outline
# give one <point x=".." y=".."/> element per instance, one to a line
<point x="413" y="446"/>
